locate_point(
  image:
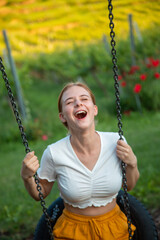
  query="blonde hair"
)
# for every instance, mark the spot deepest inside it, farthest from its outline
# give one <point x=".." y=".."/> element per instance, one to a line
<point x="69" y="85"/>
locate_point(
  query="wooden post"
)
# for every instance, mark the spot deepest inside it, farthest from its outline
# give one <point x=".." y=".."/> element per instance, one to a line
<point x="138" y="101"/>
<point x="138" y="32"/>
<point x="15" y="77"/>
<point x="140" y="38"/>
<point x="106" y="45"/>
<point x="132" y="40"/>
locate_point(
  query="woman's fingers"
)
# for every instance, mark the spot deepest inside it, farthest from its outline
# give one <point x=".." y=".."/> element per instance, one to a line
<point x="30" y="159"/>
<point x="30" y="165"/>
<point x="35" y="165"/>
<point x="29" y="156"/>
<point x="123" y="149"/>
<point x="125" y="153"/>
<point x="122" y="143"/>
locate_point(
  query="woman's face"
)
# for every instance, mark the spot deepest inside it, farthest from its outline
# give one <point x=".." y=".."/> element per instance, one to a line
<point x="78" y="109"/>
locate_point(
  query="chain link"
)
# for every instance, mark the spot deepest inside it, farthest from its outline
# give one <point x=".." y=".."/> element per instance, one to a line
<point x="118" y="106"/>
<point x="25" y="143"/>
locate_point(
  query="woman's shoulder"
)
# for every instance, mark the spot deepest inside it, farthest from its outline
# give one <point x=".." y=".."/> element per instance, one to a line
<point x="111" y="135"/>
<point x="55" y="149"/>
<point x="59" y="144"/>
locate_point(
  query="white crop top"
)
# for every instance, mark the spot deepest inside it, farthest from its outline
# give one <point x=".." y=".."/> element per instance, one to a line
<point x="79" y="186"/>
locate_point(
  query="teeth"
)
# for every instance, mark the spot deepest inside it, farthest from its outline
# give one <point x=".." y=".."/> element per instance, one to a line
<point x="80" y="112"/>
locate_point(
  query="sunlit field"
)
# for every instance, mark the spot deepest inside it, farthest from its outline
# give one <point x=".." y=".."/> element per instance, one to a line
<point x="43" y="26"/>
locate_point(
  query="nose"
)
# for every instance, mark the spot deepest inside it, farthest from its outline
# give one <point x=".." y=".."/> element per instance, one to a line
<point x="78" y="102"/>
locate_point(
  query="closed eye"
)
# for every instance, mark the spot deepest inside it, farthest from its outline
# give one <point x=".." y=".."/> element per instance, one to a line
<point x="84" y="99"/>
<point x="67" y="103"/>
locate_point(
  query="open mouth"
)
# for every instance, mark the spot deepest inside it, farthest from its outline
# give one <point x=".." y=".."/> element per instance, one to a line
<point x="81" y="114"/>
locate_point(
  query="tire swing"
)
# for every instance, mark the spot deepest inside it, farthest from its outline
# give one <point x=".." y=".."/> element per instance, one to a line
<point x="134" y="210"/>
<point x="145" y="227"/>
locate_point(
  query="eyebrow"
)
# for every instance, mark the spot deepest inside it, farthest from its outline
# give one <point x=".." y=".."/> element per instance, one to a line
<point x="68" y="99"/>
<point x="83" y="95"/>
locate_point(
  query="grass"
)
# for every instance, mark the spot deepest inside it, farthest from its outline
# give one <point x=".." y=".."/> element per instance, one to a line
<point x="143" y="132"/>
<point x="19" y="213"/>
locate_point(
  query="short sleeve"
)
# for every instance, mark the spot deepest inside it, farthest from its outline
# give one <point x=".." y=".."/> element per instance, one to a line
<point x="47" y="169"/>
<point x="125" y="139"/>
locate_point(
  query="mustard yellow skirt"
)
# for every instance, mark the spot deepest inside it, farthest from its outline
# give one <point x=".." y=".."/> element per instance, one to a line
<point x="110" y="226"/>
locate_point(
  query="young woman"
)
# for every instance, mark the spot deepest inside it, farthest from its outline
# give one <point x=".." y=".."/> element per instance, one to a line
<point x="87" y="167"/>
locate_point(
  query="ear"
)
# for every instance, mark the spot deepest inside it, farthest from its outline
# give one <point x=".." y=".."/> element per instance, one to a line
<point x="62" y="118"/>
<point x="95" y="110"/>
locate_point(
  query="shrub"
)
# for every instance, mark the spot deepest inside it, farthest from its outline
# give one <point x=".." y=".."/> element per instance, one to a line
<point x="140" y="86"/>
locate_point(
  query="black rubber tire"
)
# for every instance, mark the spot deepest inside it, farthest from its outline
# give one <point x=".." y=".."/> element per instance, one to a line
<point x="41" y="232"/>
<point x="145" y="227"/>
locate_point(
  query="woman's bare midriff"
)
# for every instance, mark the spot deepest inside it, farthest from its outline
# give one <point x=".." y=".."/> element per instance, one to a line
<point x="91" y="211"/>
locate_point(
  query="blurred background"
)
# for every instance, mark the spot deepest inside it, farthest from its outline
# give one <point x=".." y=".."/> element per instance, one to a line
<point x="44" y="44"/>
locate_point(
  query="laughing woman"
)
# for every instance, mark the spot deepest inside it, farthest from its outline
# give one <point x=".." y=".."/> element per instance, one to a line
<point x="87" y="168"/>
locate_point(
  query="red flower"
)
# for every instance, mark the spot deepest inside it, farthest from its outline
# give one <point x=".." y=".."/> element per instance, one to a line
<point x="149" y="60"/>
<point x="137" y="88"/>
<point x="143" y="77"/>
<point x="119" y="77"/>
<point x="44" y="137"/>
<point x="123" y="73"/>
<point x="149" y="65"/>
<point x="152" y="62"/>
<point x="155" y="63"/>
<point x="123" y="83"/>
<point x="157" y="75"/>
<point x="133" y="69"/>
<point x="127" y="112"/>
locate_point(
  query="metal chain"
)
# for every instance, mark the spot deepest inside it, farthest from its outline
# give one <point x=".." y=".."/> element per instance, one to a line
<point x="119" y="116"/>
<point x="25" y="143"/>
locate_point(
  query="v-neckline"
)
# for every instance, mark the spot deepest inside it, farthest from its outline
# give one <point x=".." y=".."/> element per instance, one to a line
<point x="79" y="161"/>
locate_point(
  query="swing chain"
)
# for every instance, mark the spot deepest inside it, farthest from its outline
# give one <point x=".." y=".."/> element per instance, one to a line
<point x="25" y="143"/>
<point x="119" y="116"/>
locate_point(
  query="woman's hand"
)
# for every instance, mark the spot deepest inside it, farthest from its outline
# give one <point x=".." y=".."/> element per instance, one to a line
<point x="30" y="165"/>
<point x="125" y="153"/>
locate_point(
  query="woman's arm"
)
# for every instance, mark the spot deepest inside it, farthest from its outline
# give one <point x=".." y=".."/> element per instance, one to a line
<point x="30" y="165"/>
<point x="125" y="153"/>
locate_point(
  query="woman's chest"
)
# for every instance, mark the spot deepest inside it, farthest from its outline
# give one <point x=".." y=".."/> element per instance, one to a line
<point x="82" y="184"/>
<point x="89" y="160"/>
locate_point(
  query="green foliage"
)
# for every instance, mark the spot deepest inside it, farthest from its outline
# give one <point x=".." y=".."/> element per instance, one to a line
<point x="90" y="63"/>
<point x="141" y="86"/>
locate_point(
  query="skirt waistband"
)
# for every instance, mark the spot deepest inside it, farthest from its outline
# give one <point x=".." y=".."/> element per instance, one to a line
<point x="83" y="218"/>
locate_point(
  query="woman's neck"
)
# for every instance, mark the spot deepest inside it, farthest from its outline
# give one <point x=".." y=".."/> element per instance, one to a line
<point x="84" y="142"/>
